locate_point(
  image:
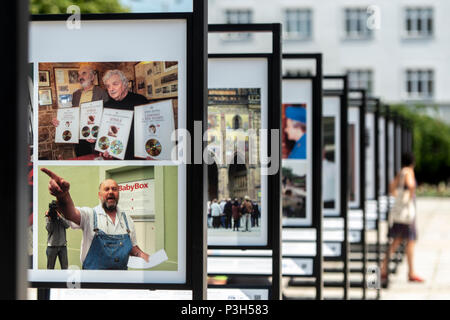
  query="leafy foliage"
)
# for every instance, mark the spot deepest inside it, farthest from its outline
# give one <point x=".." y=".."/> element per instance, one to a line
<point x="86" y="6"/>
<point x="431" y="144"/>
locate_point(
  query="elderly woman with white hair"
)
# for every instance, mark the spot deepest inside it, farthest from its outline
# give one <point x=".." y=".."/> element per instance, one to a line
<point x="116" y="84"/>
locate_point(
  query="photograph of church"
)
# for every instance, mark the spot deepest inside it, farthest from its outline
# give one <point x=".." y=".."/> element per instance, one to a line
<point x="234" y="120"/>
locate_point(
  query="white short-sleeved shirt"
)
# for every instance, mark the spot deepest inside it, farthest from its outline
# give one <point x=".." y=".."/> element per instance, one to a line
<point x="104" y="223"/>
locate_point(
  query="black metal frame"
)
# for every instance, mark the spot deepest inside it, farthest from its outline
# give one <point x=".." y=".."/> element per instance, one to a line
<point x="377" y="188"/>
<point x="362" y="105"/>
<point x="316" y="201"/>
<point x="270" y="106"/>
<point x="393" y="116"/>
<point x="343" y="95"/>
<point x="15" y="196"/>
<point x="274" y="181"/>
<point x="386" y="152"/>
<point x="397" y="142"/>
<point x="196" y="26"/>
<point x="389" y="116"/>
<point x="384" y="112"/>
<point x="376" y="110"/>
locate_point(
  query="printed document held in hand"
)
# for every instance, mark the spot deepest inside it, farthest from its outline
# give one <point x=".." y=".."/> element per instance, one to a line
<point x="155" y="259"/>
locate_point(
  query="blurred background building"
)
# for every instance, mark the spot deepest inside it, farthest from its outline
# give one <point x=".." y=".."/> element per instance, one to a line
<point x="397" y="50"/>
<point x="158" y="5"/>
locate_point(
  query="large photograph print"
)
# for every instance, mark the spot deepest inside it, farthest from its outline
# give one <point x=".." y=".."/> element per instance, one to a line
<point x="296" y="124"/>
<point x="104" y="121"/>
<point x="331" y="156"/>
<point x="381" y="155"/>
<point x="293" y="190"/>
<point x="122" y="220"/>
<point x="370" y="156"/>
<point x="103" y="101"/>
<point x="237" y="190"/>
<point x="234" y="177"/>
<point x="329" y="163"/>
<point x="353" y="157"/>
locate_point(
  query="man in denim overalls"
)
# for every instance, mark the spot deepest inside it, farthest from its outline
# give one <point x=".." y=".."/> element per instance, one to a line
<point x="109" y="237"/>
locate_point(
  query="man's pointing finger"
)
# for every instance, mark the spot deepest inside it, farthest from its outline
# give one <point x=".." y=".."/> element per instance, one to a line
<point x="51" y="174"/>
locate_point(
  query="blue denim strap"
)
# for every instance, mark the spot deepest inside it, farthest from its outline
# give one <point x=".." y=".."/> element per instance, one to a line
<point x="126" y="222"/>
<point x="95" y="221"/>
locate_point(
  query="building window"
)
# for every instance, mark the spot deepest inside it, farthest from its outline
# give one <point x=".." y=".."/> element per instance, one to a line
<point x="419" y="22"/>
<point x="361" y="79"/>
<point x="293" y="73"/>
<point x="298" y="24"/>
<point x="356" y="24"/>
<point x="419" y="84"/>
<point x="237" y="122"/>
<point x="238" y="16"/>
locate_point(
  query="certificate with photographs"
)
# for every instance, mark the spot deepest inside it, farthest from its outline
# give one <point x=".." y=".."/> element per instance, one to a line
<point x="90" y="119"/>
<point x="114" y="132"/>
<point x="153" y="128"/>
<point x="69" y="122"/>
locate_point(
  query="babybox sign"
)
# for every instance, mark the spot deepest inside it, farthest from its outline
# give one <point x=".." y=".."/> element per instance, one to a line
<point x="138" y="197"/>
<point x="131" y="187"/>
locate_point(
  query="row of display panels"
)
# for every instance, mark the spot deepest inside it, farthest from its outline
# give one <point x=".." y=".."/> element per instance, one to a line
<point x="238" y="103"/>
<point x="104" y="120"/>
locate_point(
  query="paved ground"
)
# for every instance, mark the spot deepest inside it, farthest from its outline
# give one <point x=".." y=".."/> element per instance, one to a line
<point x="432" y="255"/>
<point x="432" y="259"/>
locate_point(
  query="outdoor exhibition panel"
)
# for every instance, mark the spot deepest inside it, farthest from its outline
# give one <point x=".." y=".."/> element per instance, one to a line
<point x="336" y="106"/>
<point x="334" y="224"/>
<point x="301" y="118"/>
<point x="382" y="154"/>
<point x="371" y="140"/>
<point x="392" y="158"/>
<point x="164" y="81"/>
<point x="15" y="195"/>
<point x="383" y="183"/>
<point x="238" y="107"/>
<point x="244" y="107"/>
<point x="391" y="154"/>
<point x="372" y="194"/>
<point x="398" y="143"/>
<point x="357" y="180"/>
<point x="231" y="293"/>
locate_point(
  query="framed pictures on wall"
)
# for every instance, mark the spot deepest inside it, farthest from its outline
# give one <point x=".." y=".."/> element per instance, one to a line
<point x="45" y="97"/>
<point x="44" y="78"/>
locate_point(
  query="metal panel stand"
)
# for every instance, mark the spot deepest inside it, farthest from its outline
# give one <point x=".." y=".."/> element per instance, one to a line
<point x="14" y="189"/>
<point x="274" y="181"/>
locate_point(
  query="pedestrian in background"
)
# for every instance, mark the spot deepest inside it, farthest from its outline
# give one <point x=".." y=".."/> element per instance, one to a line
<point x="236" y="214"/>
<point x="403" y="216"/>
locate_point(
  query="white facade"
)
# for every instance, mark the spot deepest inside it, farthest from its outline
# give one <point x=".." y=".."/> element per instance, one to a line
<point x="387" y="53"/>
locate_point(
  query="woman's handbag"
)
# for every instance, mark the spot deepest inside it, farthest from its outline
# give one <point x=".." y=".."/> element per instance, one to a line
<point x="404" y="210"/>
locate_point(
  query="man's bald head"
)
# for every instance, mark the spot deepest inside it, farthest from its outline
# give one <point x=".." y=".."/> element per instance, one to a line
<point x="109" y="181"/>
<point x="108" y="194"/>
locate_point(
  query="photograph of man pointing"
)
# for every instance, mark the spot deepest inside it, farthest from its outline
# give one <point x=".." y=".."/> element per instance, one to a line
<point x="109" y="235"/>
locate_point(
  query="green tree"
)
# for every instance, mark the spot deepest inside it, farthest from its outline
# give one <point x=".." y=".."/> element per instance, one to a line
<point x="86" y="6"/>
<point x="431" y="144"/>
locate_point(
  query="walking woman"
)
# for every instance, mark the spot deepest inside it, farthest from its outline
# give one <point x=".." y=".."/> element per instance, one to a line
<point x="403" y="214"/>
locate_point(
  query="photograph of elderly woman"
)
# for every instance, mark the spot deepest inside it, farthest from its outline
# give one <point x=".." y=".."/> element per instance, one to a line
<point x="69" y="122"/>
